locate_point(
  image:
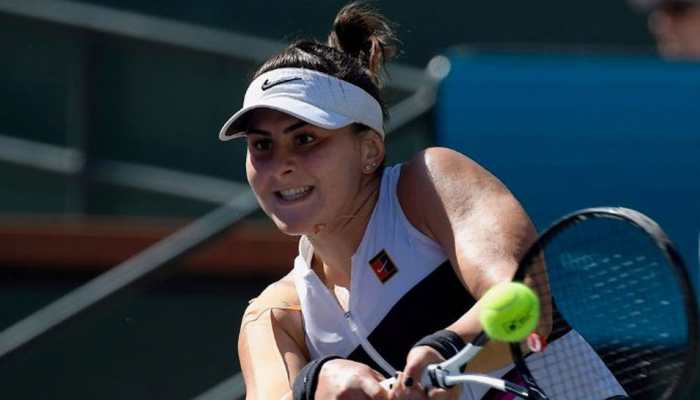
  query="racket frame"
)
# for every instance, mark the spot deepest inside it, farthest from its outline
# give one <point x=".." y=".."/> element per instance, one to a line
<point x="652" y="230"/>
<point x="449" y="372"/>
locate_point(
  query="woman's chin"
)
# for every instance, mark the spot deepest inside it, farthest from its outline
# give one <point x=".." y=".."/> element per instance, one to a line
<point x="292" y="228"/>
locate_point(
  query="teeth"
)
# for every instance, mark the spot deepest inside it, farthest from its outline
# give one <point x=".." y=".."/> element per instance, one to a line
<point x="295" y="193"/>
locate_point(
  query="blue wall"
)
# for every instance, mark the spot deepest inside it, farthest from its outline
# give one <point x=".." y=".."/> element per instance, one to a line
<point x="567" y="131"/>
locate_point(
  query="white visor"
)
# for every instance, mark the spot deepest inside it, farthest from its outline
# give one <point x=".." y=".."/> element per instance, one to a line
<point x="311" y="96"/>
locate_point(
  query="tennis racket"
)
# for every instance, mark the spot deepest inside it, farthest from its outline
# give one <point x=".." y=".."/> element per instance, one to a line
<point x="618" y="316"/>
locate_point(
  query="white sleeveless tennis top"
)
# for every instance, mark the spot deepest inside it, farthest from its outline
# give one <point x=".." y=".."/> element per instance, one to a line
<point x="388" y="267"/>
<point x="397" y="274"/>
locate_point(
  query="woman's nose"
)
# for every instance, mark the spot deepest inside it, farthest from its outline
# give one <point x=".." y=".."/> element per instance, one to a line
<point x="285" y="164"/>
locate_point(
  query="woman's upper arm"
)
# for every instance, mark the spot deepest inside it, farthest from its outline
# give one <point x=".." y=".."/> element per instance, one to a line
<point x="469" y="212"/>
<point x="270" y="346"/>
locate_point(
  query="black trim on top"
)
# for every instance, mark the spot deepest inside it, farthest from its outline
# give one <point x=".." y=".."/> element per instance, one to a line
<point x="433" y="304"/>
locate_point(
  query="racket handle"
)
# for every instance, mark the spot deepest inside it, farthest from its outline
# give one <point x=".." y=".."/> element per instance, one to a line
<point x="389" y="383"/>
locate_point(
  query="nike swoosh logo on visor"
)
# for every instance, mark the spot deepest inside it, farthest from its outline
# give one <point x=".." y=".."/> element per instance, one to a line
<point x="267" y="84"/>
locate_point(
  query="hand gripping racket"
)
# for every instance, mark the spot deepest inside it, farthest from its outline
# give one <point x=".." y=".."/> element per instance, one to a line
<point x="618" y="316"/>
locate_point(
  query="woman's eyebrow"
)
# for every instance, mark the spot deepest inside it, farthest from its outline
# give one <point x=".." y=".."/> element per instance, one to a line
<point x="294" y="126"/>
<point x="255" y="131"/>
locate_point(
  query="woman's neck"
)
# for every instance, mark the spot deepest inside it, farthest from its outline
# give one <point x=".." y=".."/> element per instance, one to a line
<point x="335" y="245"/>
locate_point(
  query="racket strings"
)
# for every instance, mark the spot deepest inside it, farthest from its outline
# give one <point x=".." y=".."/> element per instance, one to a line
<point x="623" y="301"/>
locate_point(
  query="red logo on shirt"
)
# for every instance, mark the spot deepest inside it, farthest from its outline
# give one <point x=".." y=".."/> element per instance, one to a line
<point x="382" y="266"/>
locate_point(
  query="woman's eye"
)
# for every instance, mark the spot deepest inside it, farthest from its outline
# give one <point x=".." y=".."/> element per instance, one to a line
<point x="262" y="144"/>
<point x="304" y="138"/>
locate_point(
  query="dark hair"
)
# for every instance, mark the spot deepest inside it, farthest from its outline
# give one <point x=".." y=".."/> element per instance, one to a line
<point x="360" y="43"/>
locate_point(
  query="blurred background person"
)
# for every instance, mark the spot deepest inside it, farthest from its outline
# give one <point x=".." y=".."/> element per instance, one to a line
<point x="675" y="24"/>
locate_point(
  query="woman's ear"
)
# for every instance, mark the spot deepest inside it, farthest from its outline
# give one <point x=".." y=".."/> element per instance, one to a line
<point x="372" y="148"/>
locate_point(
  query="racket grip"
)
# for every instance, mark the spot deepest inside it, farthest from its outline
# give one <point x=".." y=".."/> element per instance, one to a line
<point x="425" y="381"/>
<point x="388" y="384"/>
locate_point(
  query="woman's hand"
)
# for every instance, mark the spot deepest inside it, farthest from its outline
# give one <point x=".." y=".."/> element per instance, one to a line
<point x="348" y="380"/>
<point x="409" y="385"/>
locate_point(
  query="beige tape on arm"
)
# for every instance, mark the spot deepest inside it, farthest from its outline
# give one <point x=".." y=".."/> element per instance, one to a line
<point x="254" y="313"/>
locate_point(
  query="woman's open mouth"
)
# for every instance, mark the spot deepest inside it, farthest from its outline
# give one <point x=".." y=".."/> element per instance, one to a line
<point x="294" y="194"/>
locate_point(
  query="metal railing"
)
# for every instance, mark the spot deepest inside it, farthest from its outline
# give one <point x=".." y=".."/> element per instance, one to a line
<point x="173" y="33"/>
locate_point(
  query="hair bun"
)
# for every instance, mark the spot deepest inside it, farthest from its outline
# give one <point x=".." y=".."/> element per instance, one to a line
<point x="363" y="33"/>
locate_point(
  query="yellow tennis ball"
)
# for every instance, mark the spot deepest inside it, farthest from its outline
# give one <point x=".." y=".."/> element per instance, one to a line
<point x="509" y="311"/>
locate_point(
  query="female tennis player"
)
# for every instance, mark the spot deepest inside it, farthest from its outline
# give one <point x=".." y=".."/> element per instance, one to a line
<point x="379" y="246"/>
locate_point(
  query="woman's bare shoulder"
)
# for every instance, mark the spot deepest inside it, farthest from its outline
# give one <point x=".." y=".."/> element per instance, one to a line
<point x="434" y="163"/>
<point x="429" y="176"/>
<point x="280" y="295"/>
